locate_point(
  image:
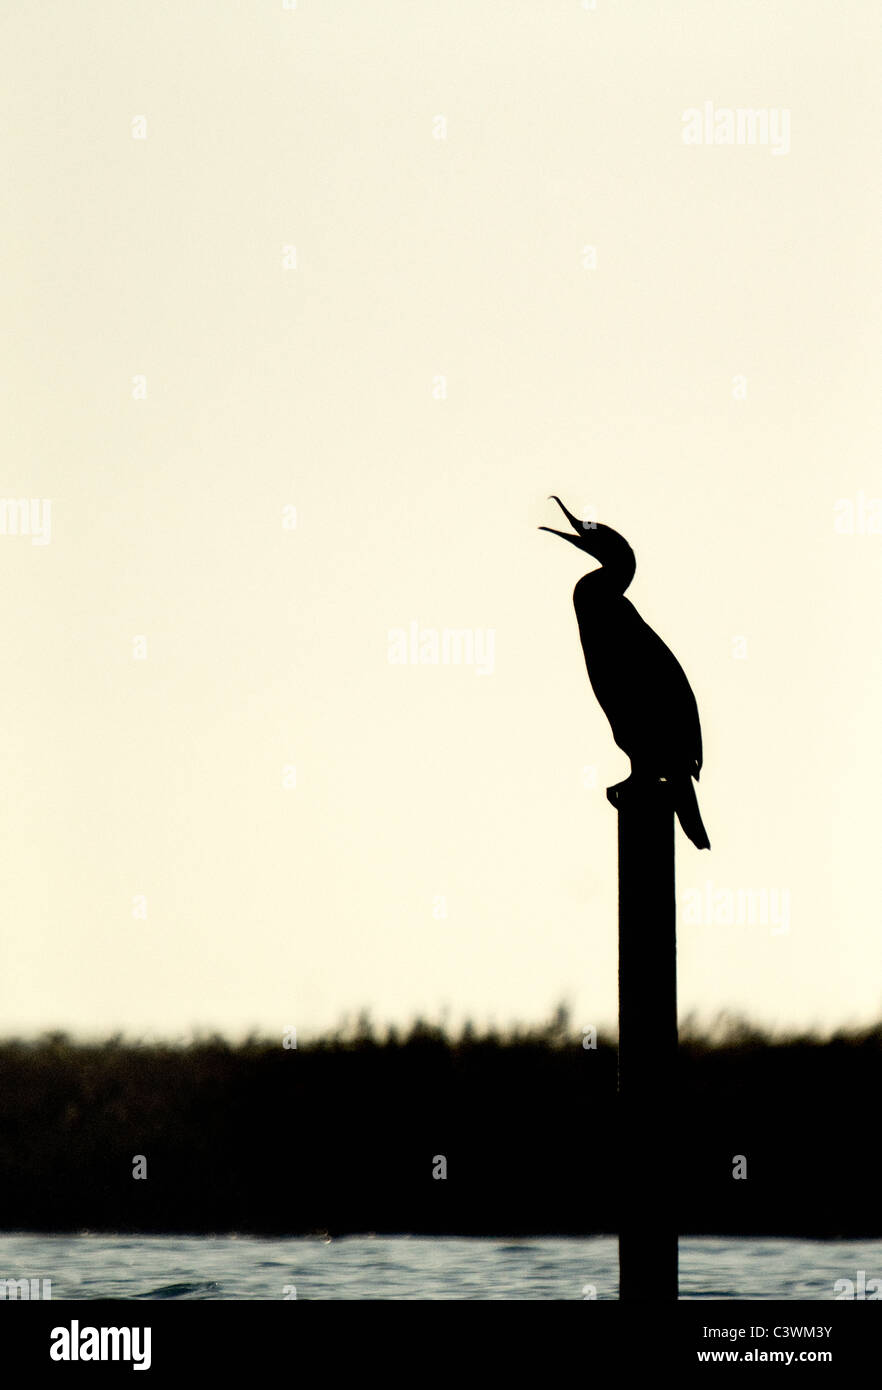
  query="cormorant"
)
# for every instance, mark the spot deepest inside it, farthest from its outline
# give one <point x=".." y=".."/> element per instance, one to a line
<point x="639" y="683"/>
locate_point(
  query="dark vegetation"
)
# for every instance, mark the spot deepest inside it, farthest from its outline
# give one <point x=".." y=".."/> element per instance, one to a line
<point x="340" y="1134"/>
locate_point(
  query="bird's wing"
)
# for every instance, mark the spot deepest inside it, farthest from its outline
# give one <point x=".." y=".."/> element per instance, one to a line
<point x="643" y="690"/>
<point x="664" y="667"/>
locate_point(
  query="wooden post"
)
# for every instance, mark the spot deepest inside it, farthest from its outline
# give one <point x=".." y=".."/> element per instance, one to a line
<point x="647" y="1071"/>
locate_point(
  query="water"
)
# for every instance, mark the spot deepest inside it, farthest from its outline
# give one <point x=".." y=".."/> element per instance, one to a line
<point x="418" y="1267"/>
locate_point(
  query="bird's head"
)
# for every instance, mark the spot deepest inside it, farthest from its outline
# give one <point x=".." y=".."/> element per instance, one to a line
<point x="603" y="543"/>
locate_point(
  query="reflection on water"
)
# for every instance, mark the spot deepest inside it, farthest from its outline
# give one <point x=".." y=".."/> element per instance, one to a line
<point x="420" y="1267"/>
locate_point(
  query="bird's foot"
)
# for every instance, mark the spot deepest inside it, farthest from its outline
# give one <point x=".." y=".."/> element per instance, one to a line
<point x="640" y="781"/>
<point x="620" y="786"/>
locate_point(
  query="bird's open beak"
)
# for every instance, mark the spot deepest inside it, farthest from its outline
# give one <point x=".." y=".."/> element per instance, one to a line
<point x="584" y="529"/>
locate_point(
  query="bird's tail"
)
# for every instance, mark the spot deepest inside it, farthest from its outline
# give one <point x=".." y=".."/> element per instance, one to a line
<point x="688" y="814"/>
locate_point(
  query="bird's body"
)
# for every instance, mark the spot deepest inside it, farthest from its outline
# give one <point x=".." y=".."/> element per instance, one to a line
<point x="639" y="683"/>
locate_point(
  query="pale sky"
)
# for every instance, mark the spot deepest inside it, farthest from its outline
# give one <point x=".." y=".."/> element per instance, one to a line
<point x="710" y="388"/>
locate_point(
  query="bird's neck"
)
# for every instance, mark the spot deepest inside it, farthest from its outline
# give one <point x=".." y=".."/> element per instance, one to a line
<point x="602" y="586"/>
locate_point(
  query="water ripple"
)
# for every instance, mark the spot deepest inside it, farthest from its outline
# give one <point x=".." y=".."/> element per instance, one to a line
<point x="417" y="1267"/>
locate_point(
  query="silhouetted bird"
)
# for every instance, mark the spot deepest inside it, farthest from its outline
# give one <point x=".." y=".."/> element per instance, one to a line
<point x="640" y="685"/>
